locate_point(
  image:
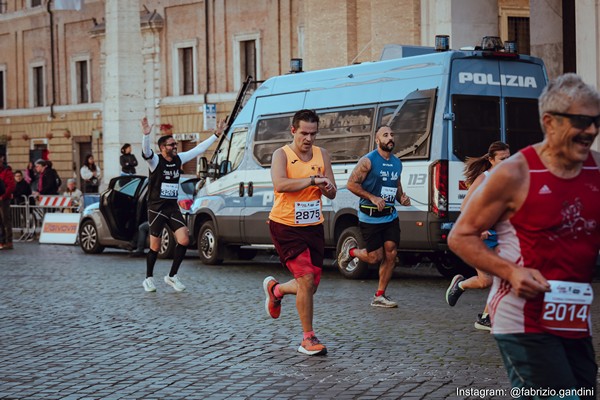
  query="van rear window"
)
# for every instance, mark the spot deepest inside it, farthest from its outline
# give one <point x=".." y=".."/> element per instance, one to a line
<point x="522" y="123"/>
<point x="476" y="124"/>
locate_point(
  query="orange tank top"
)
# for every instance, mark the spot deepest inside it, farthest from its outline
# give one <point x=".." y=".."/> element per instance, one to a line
<point x="301" y="208"/>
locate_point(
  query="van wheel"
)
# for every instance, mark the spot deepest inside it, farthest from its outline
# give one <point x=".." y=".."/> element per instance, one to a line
<point x="209" y="249"/>
<point x="355" y="269"/>
<point x="167" y="244"/>
<point x="449" y="265"/>
<point x="88" y="238"/>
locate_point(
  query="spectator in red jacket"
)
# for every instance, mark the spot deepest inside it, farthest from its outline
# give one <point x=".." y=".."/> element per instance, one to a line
<point x="7" y="177"/>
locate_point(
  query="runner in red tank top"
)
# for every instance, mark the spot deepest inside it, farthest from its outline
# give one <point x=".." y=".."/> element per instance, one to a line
<point x="543" y="203"/>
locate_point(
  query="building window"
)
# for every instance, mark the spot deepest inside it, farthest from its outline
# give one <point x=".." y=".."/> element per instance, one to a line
<point x="518" y="30"/>
<point x="514" y="25"/>
<point x="80" y="80"/>
<point x="3" y="6"/>
<point x="2" y="89"/>
<point x="185" y="70"/>
<point x="37" y="86"/>
<point x="246" y="58"/>
<point x="36" y="3"/>
<point x="300" y="51"/>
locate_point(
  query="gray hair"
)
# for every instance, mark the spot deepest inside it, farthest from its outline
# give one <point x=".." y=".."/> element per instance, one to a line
<point x="564" y="91"/>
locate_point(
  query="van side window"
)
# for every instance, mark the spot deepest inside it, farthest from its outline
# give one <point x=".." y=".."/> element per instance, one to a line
<point x="271" y="134"/>
<point x="522" y="123"/>
<point x="345" y="134"/>
<point x="231" y="150"/>
<point x="476" y="124"/>
<point x="411" y="122"/>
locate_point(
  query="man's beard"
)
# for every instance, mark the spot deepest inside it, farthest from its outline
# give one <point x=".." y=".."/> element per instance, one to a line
<point x="386" y="148"/>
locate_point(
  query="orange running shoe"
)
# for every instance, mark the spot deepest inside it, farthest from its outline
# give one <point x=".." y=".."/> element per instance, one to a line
<point x="272" y="303"/>
<point x="312" y="347"/>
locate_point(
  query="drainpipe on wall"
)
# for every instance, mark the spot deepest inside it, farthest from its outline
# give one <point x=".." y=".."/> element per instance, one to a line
<point x="206" y="52"/>
<point x="53" y="79"/>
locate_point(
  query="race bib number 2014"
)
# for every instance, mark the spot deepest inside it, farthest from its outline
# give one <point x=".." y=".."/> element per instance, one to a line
<point x="567" y="306"/>
<point x="306" y="212"/>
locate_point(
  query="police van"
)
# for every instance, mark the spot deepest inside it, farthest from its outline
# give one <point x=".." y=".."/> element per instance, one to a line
<point x="443" y="107"/>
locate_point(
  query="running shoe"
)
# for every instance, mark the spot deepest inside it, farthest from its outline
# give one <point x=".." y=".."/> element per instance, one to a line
<point x="344" y="257"/>
<point x="454" y="291"/>
<point x="272" y="303"/>
<point x="312" y="347"/>
<point x="174" y="282"/>
<point x="483" y="324"/>
<point x="149" y="285"/>
<point x="383" y="301"/>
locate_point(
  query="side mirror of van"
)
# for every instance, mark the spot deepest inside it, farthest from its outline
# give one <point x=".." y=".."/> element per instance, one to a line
<point x="224" y="168"/>
<point x="203" y="167"/>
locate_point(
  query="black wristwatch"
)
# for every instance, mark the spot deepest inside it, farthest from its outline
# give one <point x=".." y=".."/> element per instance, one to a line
<point x="312" y="180"/>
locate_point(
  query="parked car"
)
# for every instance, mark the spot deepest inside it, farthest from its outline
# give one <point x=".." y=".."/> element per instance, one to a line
<point x="114" y="220"/>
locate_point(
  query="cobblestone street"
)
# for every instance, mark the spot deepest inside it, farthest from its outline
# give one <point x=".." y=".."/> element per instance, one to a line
<point x="75" y="326"/>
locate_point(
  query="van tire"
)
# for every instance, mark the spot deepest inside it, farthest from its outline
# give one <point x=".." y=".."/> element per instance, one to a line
<point x="354" y="270"/>
<point x="167" y="244"/>
<point x="209" y="248"/>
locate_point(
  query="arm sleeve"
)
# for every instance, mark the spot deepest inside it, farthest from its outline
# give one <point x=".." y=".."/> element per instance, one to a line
<point x="98" y="172"/>
<point x="150" y="157"/>
<point x="196" y="151"/>
<point x="123" y="161"/>
<point x="133" y="161"/>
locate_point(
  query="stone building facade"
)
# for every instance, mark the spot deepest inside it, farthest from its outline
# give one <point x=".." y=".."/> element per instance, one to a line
<point x="56" y="65"/>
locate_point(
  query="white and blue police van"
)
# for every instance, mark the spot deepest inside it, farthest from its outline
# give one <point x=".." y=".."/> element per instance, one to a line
<point x="443" y="107"/>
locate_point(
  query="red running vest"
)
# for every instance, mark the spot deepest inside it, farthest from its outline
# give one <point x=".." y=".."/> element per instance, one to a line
<point x="556" y="231"/>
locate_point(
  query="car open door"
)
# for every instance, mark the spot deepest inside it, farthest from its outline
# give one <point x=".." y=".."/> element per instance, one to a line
<point x="119" y="205"/>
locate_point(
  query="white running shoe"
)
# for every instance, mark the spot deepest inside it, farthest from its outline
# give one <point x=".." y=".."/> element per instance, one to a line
<point x="383" y="301"/>
<point x="175" y="283"/>
<point x="149" y="285"/>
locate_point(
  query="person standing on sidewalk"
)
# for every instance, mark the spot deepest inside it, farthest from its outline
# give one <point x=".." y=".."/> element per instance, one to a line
<point x="162" y="199"/>
<point x="476" y="170"/>
<point x="7" y="177"/>
<point x="127" y="160"/>
<point x="301" y="174"/>
<point x="543" y="203"/>
<point x="376" y="180"/>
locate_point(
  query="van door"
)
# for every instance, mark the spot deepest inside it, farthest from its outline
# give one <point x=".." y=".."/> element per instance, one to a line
<point x="270" y="134"/>
<point x="222" y="191"/>
<point x="491" y="100"/>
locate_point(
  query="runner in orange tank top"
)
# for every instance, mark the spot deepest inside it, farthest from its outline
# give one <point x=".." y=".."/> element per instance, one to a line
<point x="301" y="174"/>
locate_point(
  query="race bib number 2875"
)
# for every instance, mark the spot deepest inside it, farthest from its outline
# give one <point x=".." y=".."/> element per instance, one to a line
<point x="307" y="212"/>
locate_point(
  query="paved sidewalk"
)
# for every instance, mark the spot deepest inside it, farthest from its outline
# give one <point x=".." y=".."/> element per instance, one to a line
<point x="75" y="326"/>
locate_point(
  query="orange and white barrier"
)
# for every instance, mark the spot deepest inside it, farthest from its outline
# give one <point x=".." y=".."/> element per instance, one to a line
<point x="54" y="201"/>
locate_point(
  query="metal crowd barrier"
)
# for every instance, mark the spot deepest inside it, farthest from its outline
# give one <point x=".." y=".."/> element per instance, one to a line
<point x="28" y="218"/>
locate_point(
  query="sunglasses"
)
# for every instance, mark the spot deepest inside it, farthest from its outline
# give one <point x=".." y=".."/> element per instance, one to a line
<point x="579" y="121"/>
<point x="171" y="145"/>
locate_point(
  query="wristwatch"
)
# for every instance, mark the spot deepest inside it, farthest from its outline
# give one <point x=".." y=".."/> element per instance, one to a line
<point x="312" y="180"/>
